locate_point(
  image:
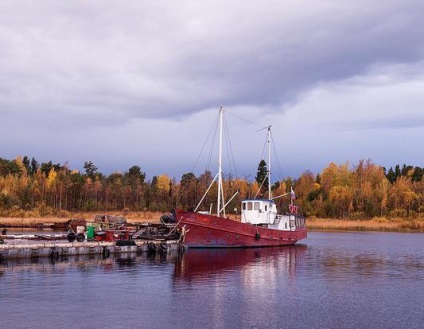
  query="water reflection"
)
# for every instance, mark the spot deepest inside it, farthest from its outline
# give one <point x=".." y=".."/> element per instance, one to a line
<point x="343" y="257"/>
<point x="193" y="264"/>
<point x="360" y="255"/>
<point x="237" y="287"/>
<point x="83" y="262"/>
<point x="201" y="263"/>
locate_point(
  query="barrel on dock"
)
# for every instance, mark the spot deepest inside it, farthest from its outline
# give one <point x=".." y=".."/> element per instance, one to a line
<point x="90" y="232"/>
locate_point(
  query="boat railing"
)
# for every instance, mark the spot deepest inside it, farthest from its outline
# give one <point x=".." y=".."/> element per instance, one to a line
<point x="278" y="219"/>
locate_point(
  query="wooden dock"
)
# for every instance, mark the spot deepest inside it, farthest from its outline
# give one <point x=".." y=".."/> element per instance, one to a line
<point x="56" y="249"/>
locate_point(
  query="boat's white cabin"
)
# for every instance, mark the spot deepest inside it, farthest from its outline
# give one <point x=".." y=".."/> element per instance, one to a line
<point x="258" y="211"/>
<point x="264" y="212"/>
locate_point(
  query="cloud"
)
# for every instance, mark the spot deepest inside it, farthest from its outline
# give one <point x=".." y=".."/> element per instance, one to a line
<point x="385" y="97"/>
<point x="101" y="71"/>
<point x="377" y="115"/>
<point x="159" y="60"/>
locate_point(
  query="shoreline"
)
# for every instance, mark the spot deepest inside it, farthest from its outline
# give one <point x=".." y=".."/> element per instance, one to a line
<point x="139" y="217"/>
<point x="370" y="225"/>
<point x="313" y="224"/>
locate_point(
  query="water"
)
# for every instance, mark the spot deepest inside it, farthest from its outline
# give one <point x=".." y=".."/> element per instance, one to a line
<point x="332" y="280"/>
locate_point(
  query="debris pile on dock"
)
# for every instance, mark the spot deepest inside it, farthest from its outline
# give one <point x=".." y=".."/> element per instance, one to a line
<point x="107" y="235"/>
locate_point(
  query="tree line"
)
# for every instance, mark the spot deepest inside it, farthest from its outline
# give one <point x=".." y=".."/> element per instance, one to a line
<point x="365" y="190"/>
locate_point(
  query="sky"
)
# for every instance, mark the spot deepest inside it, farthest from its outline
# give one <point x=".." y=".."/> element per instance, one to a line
<point x="124" y="83"/>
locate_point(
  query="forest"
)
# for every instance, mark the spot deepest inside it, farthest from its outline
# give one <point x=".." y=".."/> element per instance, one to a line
<point x="362" y="191"/>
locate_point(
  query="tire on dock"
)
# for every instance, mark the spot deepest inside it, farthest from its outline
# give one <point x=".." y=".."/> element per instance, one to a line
<point x="121" y="243"/>
<point x="80" y="237"/>
<point x="71" y="236"/>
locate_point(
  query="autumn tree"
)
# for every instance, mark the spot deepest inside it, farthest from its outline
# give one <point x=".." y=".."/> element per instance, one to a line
<point x="370" y="189"/>
<point x="363" y="191"/>
<point x="306" y="190"/>
<point x="281" y="193"/>
<point x="161" y="188"/>
<point x="337" y="189"/>
<point x="135" y="178"/>
<point x="8" y="167"/>
<point x="402" y="198"/>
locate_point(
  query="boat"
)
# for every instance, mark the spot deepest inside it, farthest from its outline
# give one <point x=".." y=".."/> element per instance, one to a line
<point x="260" y="224"/>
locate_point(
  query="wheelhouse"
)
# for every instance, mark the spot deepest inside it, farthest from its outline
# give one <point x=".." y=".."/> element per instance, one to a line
<point x="258" y="211"/>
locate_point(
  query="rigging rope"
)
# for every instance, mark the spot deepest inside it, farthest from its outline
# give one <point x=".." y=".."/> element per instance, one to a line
<point x="214" y="130"/>
<point x="212" y="135"/>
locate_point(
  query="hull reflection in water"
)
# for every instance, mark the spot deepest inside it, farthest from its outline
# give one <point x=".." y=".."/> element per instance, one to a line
<point x="200" y="263"/>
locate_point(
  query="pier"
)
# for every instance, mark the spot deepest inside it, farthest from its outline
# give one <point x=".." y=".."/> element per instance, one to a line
<point x="57" y="249"/>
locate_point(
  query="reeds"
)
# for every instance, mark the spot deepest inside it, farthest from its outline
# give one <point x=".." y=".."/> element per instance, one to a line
<point x="132" y="217"/>
<point x="375" y="224"/>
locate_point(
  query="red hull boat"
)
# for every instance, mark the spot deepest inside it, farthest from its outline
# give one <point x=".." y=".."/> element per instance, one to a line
<point x="208" y="231"/>
<point x="260" y="224"/>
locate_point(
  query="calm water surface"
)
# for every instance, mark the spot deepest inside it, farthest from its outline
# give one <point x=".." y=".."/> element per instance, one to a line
<point x="332" y="280"/>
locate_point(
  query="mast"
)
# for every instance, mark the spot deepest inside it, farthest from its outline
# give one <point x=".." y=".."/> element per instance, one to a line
<point x="269" y="163"/>
<point x="218" y="210"/>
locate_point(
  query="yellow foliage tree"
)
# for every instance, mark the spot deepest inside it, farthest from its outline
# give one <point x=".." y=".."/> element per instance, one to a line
<point x="163" y="182"/>
<point x="342" y="197"/>
<point x="51" y="178"/>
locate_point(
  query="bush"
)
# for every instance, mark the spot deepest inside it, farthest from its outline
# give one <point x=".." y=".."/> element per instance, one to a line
<point x="90" y="205"/>
<point x="43" y="209"/>
<point x="380" y="220"/>
<point x="63" y="214"/>
<point x="396" y="213"/>
<point x="358" y="215"/>
<point x="412" y="225"/>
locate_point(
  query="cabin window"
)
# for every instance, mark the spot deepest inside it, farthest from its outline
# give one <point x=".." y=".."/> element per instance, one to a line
<point x="266" y="208"/>
<point x="256" y="206"/>
<point x="249" y="206"/>
<point x="243" y="205"/>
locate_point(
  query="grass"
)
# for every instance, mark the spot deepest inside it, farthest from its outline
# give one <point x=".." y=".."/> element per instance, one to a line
<point x="375" y="224"/>
<point x="132" y="217"/>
